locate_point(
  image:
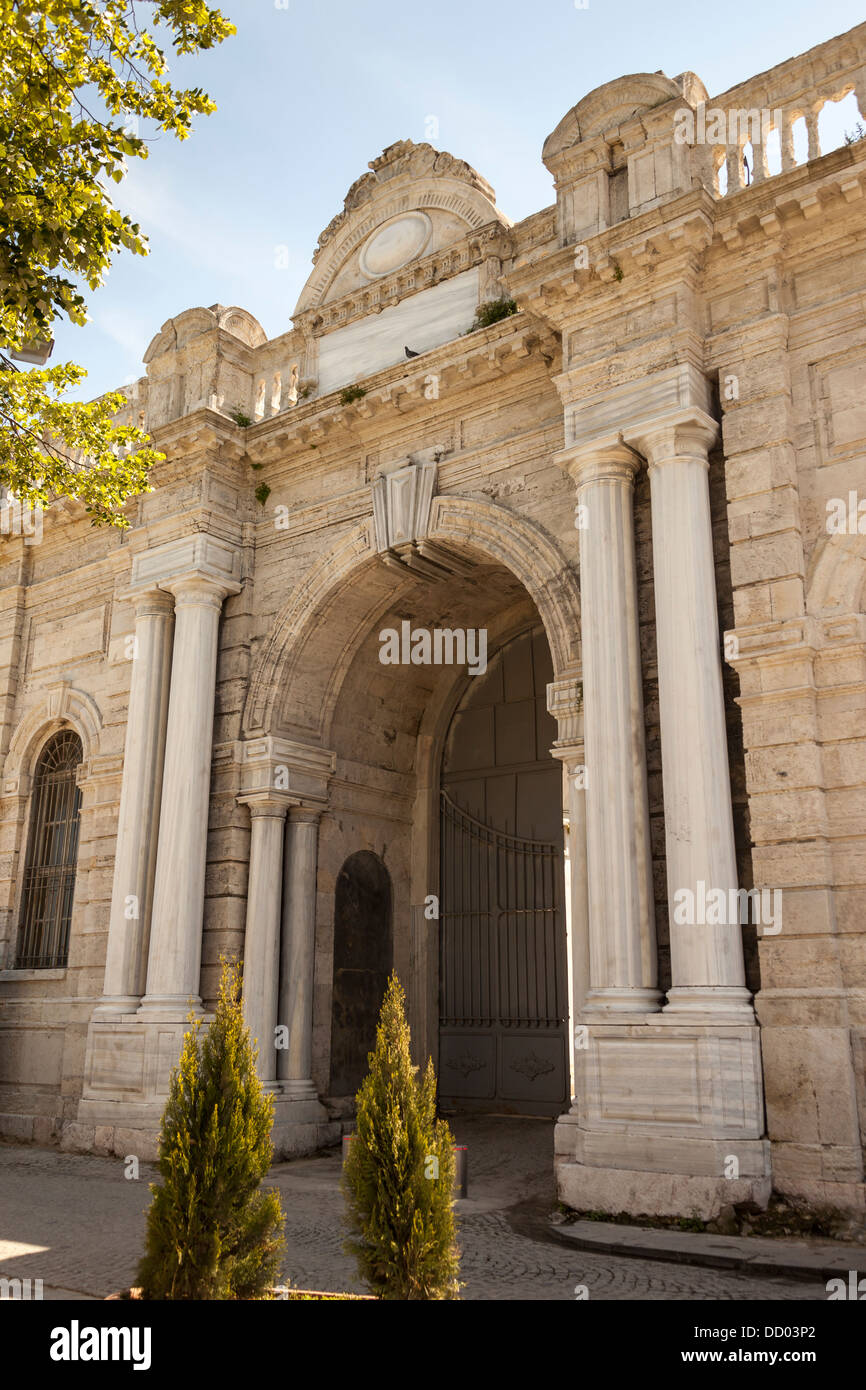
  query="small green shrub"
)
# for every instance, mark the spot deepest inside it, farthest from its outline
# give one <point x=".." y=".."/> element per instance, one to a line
<point x="351" y="393"/>
<point x="211" y="1234"/>
<point x="239" y="418"/>
<point x="399" y="1175"/>
<point x="263" y="492"/>
<point x="493" y="311"/>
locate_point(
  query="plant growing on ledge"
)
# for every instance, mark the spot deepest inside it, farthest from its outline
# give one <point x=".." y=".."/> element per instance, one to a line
<point x="239" y="418"/>
<point x="351" y="393"/>
<point x="493" y="311"/>
<point x="853" y="136"/>
<point x="399" y="1174"/>
<point x="211" y="1234"/>
<point x="263" y="492"/>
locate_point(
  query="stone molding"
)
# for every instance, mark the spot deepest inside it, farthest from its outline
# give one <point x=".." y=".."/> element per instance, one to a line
<point x="284" y="771"/>
<point x="672" y="396"/>
<point x="58" y="705"/>
<point x="193" y="557"/>
<point x="565" y="704"/>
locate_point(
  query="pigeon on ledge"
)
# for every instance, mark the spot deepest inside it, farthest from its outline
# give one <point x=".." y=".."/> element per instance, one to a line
<point x="409" y="353"/>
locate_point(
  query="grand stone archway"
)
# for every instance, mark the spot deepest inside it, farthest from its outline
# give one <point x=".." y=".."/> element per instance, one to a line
<point x="321" y="686"/>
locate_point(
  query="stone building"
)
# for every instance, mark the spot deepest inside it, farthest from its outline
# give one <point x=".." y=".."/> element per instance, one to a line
<point x="618" y="503"/>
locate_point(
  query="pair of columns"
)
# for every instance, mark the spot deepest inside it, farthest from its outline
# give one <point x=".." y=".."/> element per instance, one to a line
<point x="279" y="949"/>
<point x="708" y="977"/>
<point x="153" y="960"/>
<point x="154" y="939"/>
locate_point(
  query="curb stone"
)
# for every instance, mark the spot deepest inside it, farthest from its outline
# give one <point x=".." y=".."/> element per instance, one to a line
<point x="751" y="1254"/>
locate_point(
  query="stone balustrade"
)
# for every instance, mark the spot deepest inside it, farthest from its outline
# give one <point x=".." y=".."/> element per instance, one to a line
<point x="763" y="113"/>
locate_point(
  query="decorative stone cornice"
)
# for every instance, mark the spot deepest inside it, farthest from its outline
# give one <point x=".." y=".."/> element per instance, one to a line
<point x="565" y="704"/>
<point x="669" y="397"/>
<point x="279" y="768"/>
<point x="196" y="557"/>
<point x="481" y="357"/>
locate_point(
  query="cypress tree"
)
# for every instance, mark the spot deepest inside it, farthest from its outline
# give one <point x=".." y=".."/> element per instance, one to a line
<point x="211" y="1234"/>
<point x="398" y="1177"/>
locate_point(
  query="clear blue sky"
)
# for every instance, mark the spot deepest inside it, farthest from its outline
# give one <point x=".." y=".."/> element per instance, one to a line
<point x="310" y="92"/>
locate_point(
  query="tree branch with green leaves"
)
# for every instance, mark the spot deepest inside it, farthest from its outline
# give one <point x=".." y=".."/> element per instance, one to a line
<point x="72" y="74"/>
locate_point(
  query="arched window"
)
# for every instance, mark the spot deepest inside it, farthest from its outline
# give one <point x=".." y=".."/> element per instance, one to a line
<point x="52" y="851"/>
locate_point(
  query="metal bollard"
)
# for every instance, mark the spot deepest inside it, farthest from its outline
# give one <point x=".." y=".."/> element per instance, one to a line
<point x="461" y="1170"/>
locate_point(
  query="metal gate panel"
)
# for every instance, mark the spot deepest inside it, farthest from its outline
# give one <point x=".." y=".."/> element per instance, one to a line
<point x="503" y="997"/>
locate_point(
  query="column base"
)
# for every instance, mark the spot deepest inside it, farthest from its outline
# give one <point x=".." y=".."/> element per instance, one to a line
<point x="302" y="1126"/>
<point x="128" y="1064"/>
<point x="722" y="1004"/>
<point x="114" y="1006"/>
<point x="667" y="1120"/>
<point x="635" y="1192"/>
<point x="603" y="1003"/>
<point x="170" y="1008"/>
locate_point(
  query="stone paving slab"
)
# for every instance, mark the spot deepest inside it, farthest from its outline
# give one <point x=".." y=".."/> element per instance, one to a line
<point x="77" y="1223"/>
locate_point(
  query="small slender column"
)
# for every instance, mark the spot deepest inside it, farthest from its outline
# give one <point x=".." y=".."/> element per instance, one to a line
<point x="138" y="816"/>
<point x="295" y="1064"/>
<point x="262" y="940"/>
<point x="622" y="945"/>
<point x="787" y="141"/>
<point x="812" y="133"/>
<point x="174" y="961"/>
<point x="706" y="959"/>
<point x="576" y="892"/>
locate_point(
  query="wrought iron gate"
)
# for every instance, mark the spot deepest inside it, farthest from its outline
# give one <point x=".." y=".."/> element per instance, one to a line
<point x="503" y="1005"/>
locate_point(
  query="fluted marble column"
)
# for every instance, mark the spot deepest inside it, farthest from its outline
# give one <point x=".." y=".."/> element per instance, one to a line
<point x="138" y="816"/>
<point x="706" y="959"/>
<point x="295" y="1064"/>
<point x="174" y="958"/>
<point x="622" y="943"/>
<point x="262" y="939"/>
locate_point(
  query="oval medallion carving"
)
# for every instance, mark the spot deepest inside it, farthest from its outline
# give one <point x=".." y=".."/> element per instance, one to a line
<point x="393" y="245"/>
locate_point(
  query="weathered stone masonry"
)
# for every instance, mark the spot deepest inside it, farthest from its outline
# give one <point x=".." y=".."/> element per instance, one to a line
<point x="688" y="363"/>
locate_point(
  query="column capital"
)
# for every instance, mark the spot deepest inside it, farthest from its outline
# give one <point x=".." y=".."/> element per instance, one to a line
<point x="149" y="602"/>
<point x="681" y="435"/>
<point x="262" y="804"/>
<point x="607" y="459"/>
<point x="304" y="815"/>
<point x="197" y="589"/>
<point x="565" y="704"/>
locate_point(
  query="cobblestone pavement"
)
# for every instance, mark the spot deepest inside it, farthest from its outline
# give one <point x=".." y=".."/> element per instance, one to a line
<point x="77" y="1223"/>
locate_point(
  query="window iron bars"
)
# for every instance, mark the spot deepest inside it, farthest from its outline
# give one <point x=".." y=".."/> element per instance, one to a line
<point x="52" y="853"/>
